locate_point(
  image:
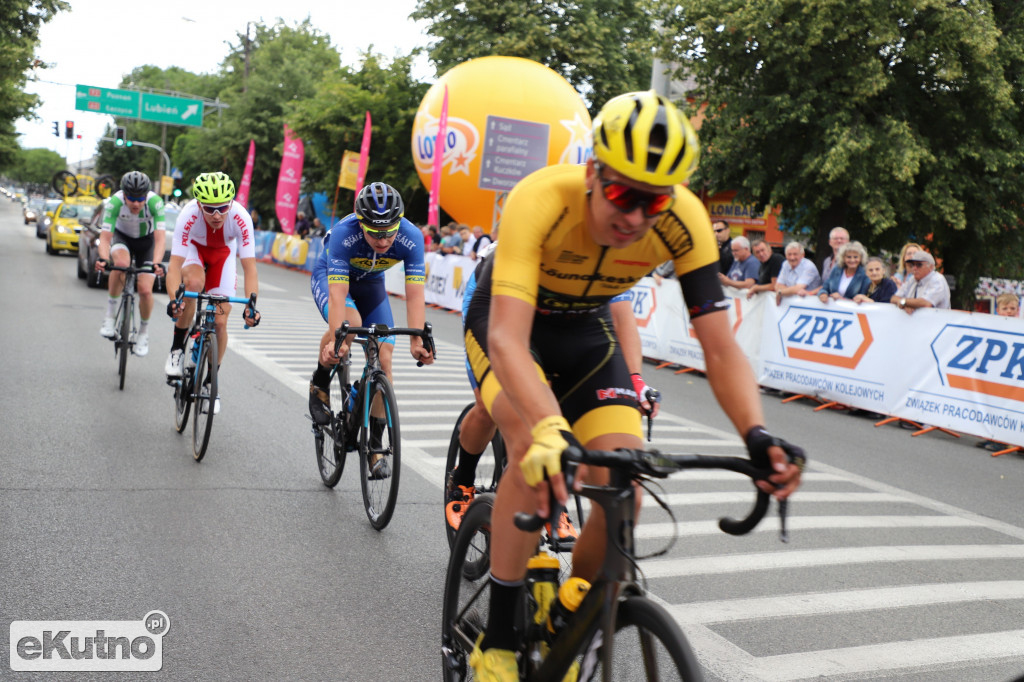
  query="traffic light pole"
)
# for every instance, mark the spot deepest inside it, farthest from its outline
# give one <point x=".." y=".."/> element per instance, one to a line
<point x="167" y="159"/>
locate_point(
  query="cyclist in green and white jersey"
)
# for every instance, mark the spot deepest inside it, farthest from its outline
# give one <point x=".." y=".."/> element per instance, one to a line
<point x="133" y="232"/>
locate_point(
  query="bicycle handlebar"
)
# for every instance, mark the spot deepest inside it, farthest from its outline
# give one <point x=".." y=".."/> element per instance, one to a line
<point x="382" y="330"/>
<point x="147" y="268"/>
<point x="639" y="463"/>
<point x="250" y="303"/>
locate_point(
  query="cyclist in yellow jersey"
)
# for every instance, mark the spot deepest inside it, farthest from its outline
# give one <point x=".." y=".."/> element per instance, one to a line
<point x="572" y="237"/>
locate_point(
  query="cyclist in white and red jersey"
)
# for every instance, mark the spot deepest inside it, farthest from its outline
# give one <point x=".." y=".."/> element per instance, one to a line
<point x="211" y="231"/>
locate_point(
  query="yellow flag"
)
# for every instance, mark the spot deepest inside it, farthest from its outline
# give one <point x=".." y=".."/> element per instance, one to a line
<point x="349" y="170"/>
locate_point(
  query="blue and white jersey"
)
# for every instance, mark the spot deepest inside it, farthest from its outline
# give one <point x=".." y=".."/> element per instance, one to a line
<point x="348" y="257"/>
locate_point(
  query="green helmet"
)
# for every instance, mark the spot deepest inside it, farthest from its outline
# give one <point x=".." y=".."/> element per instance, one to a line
<point x="213" y="188"/>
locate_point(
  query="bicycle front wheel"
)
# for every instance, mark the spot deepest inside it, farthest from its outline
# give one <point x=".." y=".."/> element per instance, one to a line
<point x="648" y="646"/>
<point x="488" y="469"/>
<point x="466" y="598"/>
<point x="182" y="400"/>
<point x="380" y="453"/>
<point x="123" y="341"/>
<point x="204" y="388"/>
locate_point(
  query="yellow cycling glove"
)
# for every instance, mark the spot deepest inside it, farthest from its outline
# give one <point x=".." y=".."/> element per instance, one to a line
<point x="546" y="452"/>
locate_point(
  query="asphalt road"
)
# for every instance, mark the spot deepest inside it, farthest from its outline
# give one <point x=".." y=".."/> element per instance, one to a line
<point x="905" y="559"/>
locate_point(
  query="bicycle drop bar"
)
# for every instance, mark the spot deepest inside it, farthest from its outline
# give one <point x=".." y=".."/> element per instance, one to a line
<point x="382" y="330"/>
<point x="250" y="303"/>
<point x="638" y="463"/>
<point x="147" y="268"/>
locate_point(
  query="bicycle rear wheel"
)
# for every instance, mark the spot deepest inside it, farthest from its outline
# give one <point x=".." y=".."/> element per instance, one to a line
<point x="488" y="469"/>
<point x="379" y="446"/>
<point x="123" y="344"/>
<point x="466" y="598"/>
<point x="648" y="646"/>
<point x="205" y="377"/>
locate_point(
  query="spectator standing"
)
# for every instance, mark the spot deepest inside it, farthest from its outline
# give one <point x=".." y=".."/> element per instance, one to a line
<point x="924" y="288"/>
<point x="724" y="237"/>
<point x="771" y="265"/>
<point x="467" y="240"/>
<point x="301" y="225"/>
<point x="317" y="228"/>
<point x="257" y="220"/>
<point x="482" y="240"/>
<point x="882" y="288"/>
<point x="836" y="238"/>
<point x="848" y="279"/>
<point x="798" y="276"/>
<point x="743" y="273"/>
<point x="901" y="267"/>
<point x="1007" y="305"/>
<point x="451" y="242"/>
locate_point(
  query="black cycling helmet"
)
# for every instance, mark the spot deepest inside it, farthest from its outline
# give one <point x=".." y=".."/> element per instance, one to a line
<point x="379" y="207"/>
<point x="135" y="183"/>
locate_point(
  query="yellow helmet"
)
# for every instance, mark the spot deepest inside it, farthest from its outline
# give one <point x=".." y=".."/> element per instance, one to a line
<point x="646" y="138"/>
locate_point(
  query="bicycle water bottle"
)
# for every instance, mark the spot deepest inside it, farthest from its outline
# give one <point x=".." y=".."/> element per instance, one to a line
<point x="542" y="579"/>
<point x="193" y="358"/>
<point x="352" y="391"/>
<point x="570" y="595"/>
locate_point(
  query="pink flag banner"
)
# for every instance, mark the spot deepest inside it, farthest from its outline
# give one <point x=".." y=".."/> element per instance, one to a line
<point x="364" y="153"/>
<point x="288" y="180"/>
<point x="433" y="210"/>
<point x="243" y="187"/>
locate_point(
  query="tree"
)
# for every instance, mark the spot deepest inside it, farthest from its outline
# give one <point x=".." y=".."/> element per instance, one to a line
<point x="36" y="166"/>
<point x="602" y="47"/>
<point x="19" y="34"/>
<point x="285" y="65"/>
<point x="899" y="119"/>
<point x="332" y="121"/>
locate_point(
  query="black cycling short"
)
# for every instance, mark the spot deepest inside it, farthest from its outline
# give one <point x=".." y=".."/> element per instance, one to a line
<point x="578" y="354"/>
<point x="140" y="248"/>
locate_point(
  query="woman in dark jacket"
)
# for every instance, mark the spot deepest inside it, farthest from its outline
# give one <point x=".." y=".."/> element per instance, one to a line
<point x="850" y="279"/>
<point x="882" y="288"/>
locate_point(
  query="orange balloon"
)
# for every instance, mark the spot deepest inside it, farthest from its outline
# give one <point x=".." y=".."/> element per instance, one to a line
<point x="507" y="117"/>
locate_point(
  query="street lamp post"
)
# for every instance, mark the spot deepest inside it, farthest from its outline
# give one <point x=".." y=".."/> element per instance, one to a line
<point x="167" y="159"/>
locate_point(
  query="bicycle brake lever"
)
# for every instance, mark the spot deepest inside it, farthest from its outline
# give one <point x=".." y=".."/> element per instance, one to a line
<point x="783" y="532"/>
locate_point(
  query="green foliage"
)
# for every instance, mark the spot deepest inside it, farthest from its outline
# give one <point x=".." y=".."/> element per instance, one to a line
<point x="602" y="47"/>
<point x="20" y="21"/>
<point x="35" y="166"/>
<point x="332" y="121"/>
<point x="900" y="119"/>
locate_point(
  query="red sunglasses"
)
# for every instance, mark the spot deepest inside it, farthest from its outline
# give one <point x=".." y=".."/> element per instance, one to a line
<point x="627" y="199"/>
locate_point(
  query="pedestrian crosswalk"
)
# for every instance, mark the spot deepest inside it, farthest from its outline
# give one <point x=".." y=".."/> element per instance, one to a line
<point x="877" y="583"/>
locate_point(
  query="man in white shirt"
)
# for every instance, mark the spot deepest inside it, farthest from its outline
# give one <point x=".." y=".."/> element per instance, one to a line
<point x="926" y="289"/>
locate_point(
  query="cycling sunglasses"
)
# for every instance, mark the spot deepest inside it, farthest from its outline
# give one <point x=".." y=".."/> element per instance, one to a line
<point x="379" y="234"/>
<point x="223" y="208"/>
<point x="627" y="199"/>
<point x="131" y="198"/>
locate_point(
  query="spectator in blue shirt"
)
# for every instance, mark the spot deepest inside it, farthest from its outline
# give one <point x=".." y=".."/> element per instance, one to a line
<point x="743" y="273"/>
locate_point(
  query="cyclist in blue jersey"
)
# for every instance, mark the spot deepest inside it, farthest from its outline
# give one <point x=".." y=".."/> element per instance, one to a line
<point x="348" y="284"/>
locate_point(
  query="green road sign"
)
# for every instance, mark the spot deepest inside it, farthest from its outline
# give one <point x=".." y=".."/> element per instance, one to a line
<point x="144" y="106"/>
<point x="107" y="101"/>
<point x="175" y="110"/>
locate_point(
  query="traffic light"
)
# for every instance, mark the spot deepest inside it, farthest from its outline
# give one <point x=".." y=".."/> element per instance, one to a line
<point x="120" y="136"/>
<point x="56" y="129"/>
<point x="177" y="192"/>
<point x="69" y="130"/>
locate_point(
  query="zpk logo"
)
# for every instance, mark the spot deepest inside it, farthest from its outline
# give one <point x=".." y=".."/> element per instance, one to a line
<point x="828" y="337"/>
<point x="644" y="301"/>
<point x="981" y="360"/>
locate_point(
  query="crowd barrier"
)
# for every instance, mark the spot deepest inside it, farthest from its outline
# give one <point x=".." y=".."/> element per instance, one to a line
<point x="944" y="368"/>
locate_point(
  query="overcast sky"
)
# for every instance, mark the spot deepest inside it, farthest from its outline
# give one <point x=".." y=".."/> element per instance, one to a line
<point x="98" y="42"/>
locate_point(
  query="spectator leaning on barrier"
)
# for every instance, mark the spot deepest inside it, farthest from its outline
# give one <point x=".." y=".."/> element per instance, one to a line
<point x="301" y="225"/>
<point x="1007" y="305"/>
<point x="724" y="237"/>
<point x="771" y="265"/>
<point x="924" y="288"/>
<point x="467" y="240"/>
<point x="847" y="279"/>
<point x="836" y="238"/>
<point x="798" y="276"/>
<point x="882" y="288"/>
<point x="743" y="273"/>
<point x="900" y="275"/>
<point x="481" y="241"/>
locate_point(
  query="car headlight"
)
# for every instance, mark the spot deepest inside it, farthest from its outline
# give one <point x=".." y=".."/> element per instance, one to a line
<point x="62" y="229"/>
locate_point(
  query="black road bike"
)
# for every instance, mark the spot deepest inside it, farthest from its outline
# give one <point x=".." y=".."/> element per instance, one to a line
<point x="366" y="422"/>
<point x="617" y="633"/>
<point x="197" y="388"/>
<point x="124" y="322"/>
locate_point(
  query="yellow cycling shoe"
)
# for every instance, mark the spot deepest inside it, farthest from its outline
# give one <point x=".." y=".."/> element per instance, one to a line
<point x="493" y="665"/>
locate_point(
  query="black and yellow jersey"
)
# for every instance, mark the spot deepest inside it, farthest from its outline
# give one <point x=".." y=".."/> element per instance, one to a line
<point x="547" y="258"/>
